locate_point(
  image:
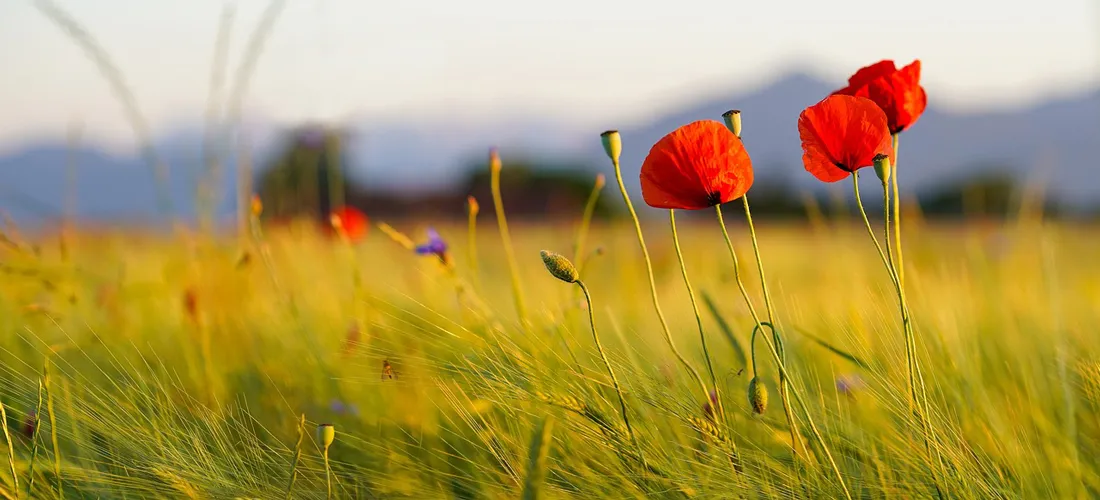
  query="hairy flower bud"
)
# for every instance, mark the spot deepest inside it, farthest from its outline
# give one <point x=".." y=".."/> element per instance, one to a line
<point x="758" y="396"/>
<point x="560" y="267"/>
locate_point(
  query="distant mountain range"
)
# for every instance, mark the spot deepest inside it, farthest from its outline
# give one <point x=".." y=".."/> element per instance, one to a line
<point x="1051" y="142"/>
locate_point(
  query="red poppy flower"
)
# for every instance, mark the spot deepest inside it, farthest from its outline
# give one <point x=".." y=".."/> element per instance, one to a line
<point x="896" y="91"/>
<point x="699" y="165"/>
<point x="350" y="222"/>
<point x="842" y="134"/>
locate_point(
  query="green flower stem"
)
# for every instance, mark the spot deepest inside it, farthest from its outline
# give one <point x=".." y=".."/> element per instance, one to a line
<point x="698" y="319"/>
<point x="791" y="422"/>
<point x="915" y="376"/>
<point x="653" y="284"/>
<point x="774" y="349"/>
<point x="897" y="214"/>
<point x="610" y="371"/>
<point x="784" y="393"/>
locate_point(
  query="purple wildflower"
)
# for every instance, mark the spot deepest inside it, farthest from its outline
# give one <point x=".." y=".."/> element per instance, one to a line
<point x="435" y="246"/>
<point x="849" y="384"/>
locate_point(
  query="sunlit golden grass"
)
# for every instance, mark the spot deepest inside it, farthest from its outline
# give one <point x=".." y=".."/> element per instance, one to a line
<point x="436" y="390"/>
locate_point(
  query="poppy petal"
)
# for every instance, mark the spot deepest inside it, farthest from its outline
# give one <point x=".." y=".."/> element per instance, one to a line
<point x="841" y="134"/>
<point x="896" y="91"/>
<point x="696" y="166"/>
<point x="868" y="74"/>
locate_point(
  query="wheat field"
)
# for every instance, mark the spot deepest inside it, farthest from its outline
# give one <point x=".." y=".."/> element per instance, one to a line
<point x="182" y="365"/>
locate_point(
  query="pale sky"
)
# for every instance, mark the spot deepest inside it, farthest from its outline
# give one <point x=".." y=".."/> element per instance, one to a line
<point x="568" y="60"/>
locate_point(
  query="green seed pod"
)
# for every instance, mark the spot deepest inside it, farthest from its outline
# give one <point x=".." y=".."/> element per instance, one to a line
<point x="612" y="144"/>
<point x="326" y="434"/>
<point x="733" y="121"/>
<point x="560" y="267"/>
<point x="883" y="168"/>
<point x="758" y="396"/>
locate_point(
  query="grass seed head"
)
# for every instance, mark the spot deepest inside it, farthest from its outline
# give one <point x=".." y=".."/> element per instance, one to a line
<point x="758" y="396"/>
<point x="560" y="267"/>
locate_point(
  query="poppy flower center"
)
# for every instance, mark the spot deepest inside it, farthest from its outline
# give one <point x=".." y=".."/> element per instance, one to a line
<point x="714" y="198"/>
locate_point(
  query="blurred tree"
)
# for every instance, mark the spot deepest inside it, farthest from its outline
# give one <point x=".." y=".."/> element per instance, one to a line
<point x="306" y="175"/>
<point x="986" y="193"/>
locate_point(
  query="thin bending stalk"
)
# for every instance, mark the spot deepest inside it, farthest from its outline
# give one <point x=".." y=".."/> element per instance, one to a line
<point x="792" y="426"/>
<point x="772" y="348"/>
<point x="498" y="202"/>
<point x="783" y="383"/>
<point x="897" y="288"/>
<point x="610" y="371"/>
<point x="653" y="284"/>
<point x="915" y="376"/>
<point x="698" y="319"/>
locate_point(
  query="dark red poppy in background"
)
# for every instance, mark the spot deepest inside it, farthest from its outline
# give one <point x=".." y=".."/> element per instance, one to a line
<point x="896" y="91"/>
<point x="350" y="222"/>
<point x="697" y="166"/>
<point x="842" y="134"/>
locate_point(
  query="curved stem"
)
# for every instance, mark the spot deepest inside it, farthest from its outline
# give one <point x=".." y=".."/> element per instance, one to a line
<point x="788" y="413"/>
<point x="698" y="319"/>
<point x="653" y="284"/>
<point x="774" y="349"/>
<point x="506" y="237"/>
<point x="610" y="371"/>
<point x="914" y="373"/>
<point x="784" y="395"/>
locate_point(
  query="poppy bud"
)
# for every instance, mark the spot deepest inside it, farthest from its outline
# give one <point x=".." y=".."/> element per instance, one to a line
<point x="758" y="396"/>
<point x="612" y="144"/>
<point x="883" y="169"/>
<point x="600" y="181"/>
<point x="472" y="206"/>
<point x="494" y="160"/>
<point x="560" y="267"/>
<point x="733" y="121"/>
<point x="257" y="206"/>
<point x="326" y="434"/>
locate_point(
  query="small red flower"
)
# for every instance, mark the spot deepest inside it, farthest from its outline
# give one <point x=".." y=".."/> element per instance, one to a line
<point x="896" y="91"/>
<point x="696" y="166"/>
<point x="841" y="134"/>
<point x="350" y="222"/>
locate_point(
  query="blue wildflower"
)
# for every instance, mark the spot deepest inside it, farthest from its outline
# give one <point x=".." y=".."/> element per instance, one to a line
<point x="435" y="246"/>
